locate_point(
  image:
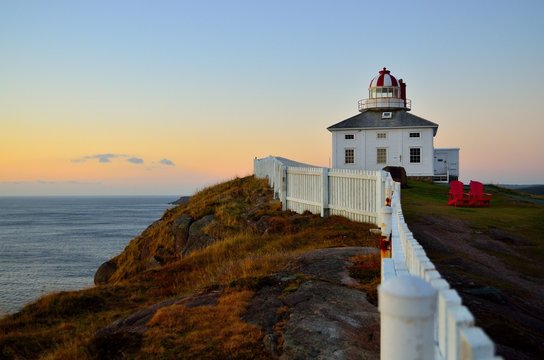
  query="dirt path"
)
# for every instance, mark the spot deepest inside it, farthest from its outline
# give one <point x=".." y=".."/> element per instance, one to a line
<point x="508" y="305"/>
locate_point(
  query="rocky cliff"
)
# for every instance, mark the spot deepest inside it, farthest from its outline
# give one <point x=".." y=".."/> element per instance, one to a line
<point x="225" y="275"/>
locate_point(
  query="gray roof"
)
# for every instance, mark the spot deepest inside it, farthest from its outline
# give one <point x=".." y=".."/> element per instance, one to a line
<point x="293" y="163"/>
<point x="371" y="119"/>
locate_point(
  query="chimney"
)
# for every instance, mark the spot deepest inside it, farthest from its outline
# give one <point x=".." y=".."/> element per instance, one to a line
<point x="403" y="91"/>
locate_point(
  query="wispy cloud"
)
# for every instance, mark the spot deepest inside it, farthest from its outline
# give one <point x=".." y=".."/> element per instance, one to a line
<point x="106" y="158"/>
<point x="135" y="160"/>
<point x="102" y="158"/>
<point x="167" y="162"/>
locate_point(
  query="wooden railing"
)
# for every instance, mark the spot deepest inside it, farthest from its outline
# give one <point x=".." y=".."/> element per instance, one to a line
<point x="421" y="316"/>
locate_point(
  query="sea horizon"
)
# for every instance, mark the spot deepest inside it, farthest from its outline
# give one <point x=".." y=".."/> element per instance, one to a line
<point x="54" y="243"/>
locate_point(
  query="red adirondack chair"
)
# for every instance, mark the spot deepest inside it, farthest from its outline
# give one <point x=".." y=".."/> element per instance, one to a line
<point x="477" y="196"/>
<point x="457" y="195"/>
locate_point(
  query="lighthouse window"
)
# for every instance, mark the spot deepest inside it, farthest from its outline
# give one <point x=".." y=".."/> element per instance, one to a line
<point x="349" y="137"/>
<point x="415" y="155"/>
<point x="349" y="156"/>
<point x="381" y="136"/>
<point x="386" y="92"/>
<point x="414" y="134"/>
<point x="381" y="155"/>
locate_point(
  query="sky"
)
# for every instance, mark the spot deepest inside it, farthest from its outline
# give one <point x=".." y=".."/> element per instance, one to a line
<point x="168" y="97"/>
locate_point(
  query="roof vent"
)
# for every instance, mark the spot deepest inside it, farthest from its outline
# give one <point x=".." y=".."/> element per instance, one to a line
<point x="387" y="115"/>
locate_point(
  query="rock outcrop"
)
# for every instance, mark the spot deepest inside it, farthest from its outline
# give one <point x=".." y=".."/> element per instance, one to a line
<point x="317" y="313"/>
<point x="104" y="272"/>
<point x="181" y="201"/>
<point x="180" y="229"/>
<point x="198" y="237"/>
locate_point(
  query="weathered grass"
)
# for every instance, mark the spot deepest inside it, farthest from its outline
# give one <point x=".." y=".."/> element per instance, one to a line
<point x="213" y="332"/>
<point x="367" y="269"/>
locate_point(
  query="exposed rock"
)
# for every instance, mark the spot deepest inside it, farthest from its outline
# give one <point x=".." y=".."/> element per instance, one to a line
<point x="331" y="264"/>
<point x="134" y="323"/>
<point x="398" y="173"/>
<point x="265" y="305"/>
<point x="180" y="229"/>
<point x="315" y="314"/>
<point x="104" y="272"/>
<point x="198" y="238"/>
<point x="181" y="201"/>
<point x="330" y="321"/>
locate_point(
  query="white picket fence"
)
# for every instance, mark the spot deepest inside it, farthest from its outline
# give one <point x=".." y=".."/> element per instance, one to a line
<point x="355" y="194"/>
<point x="421" y="316"/>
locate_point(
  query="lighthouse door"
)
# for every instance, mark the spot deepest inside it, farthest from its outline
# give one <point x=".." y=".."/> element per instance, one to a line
<point x="440" y="163"/>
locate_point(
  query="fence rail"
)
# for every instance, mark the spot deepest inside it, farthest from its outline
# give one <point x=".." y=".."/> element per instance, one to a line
<point x="421" y="316"/>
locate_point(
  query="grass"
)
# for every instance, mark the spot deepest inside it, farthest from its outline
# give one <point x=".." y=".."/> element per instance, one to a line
<point x="213" y="332"/>
<point x="367" y="269"/>
<point x="254" y="240"/>
<point x="509" y="209"/>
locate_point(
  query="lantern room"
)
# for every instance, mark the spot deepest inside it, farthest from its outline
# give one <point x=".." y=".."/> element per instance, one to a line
<point x="385" y="93"/>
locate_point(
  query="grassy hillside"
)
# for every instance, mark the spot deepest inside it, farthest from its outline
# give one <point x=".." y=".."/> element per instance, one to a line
<point x="249" y="239"/>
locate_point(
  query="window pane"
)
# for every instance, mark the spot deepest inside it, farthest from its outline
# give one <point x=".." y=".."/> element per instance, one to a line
<point x="349" y="156"/>
<point x="381" y="155"/>
<point x="415" y="155"/>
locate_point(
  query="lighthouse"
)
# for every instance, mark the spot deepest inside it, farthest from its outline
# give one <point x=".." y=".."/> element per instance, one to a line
<point x="385" y="133"/>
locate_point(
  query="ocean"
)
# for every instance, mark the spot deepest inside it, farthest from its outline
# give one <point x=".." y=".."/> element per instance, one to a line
<point x="50" y="244"/>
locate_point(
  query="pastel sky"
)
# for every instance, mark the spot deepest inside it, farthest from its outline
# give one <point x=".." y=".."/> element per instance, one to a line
<point x="166" y="97"/>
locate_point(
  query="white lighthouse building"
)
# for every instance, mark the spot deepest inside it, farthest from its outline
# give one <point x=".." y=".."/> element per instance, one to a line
<point x="384" y="133"/>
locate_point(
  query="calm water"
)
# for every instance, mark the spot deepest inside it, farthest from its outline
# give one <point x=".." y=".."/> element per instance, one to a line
<point x="57" y="243"/>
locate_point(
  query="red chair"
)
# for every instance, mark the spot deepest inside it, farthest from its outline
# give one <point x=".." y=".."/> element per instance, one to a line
<point x="457" y="195"/>
<point x="477" y="196"/>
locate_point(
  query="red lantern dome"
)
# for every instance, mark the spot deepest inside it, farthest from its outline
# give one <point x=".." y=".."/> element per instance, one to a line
<point x="384" y="79"/>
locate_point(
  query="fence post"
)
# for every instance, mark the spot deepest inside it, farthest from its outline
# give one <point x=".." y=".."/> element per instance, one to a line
<point x="380" y="198"/>
<point x="283" y="187"/>
<point x="325" y="193"/>
<point x="407" y="305"/>
<point x="386" y="227"/>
